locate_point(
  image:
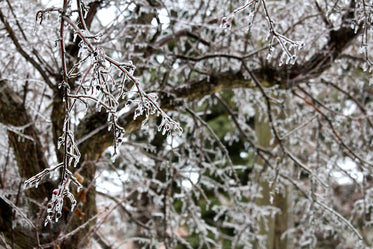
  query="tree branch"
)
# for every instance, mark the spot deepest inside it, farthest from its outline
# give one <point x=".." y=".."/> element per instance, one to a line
<point x="286" y="77"/>
<point x="23" y="52"/>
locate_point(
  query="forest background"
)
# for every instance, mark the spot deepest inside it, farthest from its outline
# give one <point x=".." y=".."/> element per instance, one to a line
<point x="186" y="124"/>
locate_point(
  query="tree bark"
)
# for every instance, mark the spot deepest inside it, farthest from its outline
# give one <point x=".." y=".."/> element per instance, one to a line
<point x="272" y="226"/>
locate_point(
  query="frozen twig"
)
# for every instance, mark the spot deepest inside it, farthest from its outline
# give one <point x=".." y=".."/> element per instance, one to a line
<point x="343" y="219"/>
<point x="282" y="40"/>
<point x="2" y="240"/>
<point x="222" y="147"/>
<point x="286" y="43"/>
<point x="36" y="179"/>
<point x="19" y="131"/>
<point x="18" y="211"/>
<point x="101" y="85"/>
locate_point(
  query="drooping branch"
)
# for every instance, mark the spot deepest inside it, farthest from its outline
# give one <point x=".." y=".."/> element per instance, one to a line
<point x="73" y="49"/>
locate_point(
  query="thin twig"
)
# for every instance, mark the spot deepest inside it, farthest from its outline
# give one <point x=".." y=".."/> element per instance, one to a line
<point x="25" y="55"/>
<point x="220" y="144"/>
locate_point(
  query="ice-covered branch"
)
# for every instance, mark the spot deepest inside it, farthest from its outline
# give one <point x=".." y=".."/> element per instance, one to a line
<point x="103" y="83"/>
<point x="287" y="45"/>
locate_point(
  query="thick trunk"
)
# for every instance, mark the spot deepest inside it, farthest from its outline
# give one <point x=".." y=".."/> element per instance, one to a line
<point x="272" y="226"/>
<point x="29" y="155"/>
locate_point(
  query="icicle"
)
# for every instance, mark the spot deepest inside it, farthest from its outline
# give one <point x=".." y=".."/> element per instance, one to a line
<point x="74" y="36"/>
<point x="76" y="161"/>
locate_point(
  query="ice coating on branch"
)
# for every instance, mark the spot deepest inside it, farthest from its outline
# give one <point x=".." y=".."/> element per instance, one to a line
<point x="99" y="81"/>
<point x="287" y="45"/>
<point x="36" y="179"/>
<point x="169" y="126"/>
<point x="147" y="105"/>
<point x="54" y="206"/>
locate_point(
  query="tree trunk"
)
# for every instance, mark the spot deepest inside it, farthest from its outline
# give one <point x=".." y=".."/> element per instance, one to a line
<point x="272" y="226"/>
